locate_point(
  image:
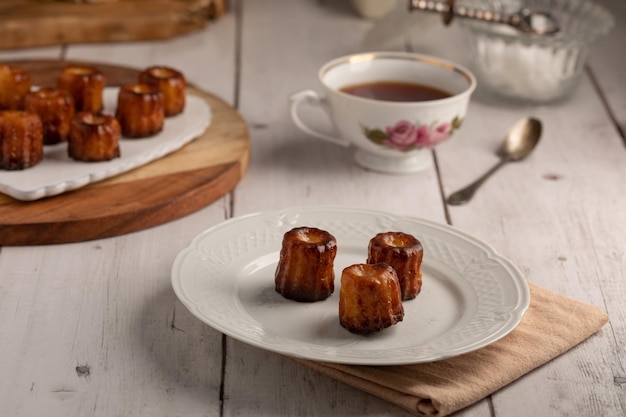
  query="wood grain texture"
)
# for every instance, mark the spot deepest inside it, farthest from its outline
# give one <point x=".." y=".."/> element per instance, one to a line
<point x="60" y="23"/>
<point x="166" y="189"/>
<point x="559" y="216"/>
<point x="290" y="168"/>
<point x="107" y="305"/>
<point x="608" y="68"/>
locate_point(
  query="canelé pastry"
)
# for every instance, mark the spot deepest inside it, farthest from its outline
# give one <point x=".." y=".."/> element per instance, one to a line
<point x="15" y="83"/>
<point x="55" y="108"/>
<point x="369" y="298"/>
<point x="21" y="139"/>
<point x="305" y="267"/>
<point x="172" y="84"/>
<point x="404" y="253"/>
<point x="94" y="137"/>
<point x="140" y="110"/>
<point x="86" y="84"/>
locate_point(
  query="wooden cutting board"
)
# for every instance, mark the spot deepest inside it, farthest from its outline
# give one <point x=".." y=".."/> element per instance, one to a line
<point x="169" y="188"/>
<point x="29" y="23"/>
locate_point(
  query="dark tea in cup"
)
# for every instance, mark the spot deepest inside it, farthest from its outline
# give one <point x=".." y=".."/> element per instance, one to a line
<point x="395" y="91"/>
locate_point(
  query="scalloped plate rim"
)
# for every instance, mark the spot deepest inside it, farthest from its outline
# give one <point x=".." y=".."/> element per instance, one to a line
<point x="333" y="354"/>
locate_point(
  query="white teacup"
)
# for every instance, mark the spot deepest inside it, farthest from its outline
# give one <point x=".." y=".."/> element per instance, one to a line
<point x="390" y="136"/>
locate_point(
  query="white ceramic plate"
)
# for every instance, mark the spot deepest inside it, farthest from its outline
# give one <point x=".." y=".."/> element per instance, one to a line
<point x="58" y="173"/>
<point x="471" y="296"/>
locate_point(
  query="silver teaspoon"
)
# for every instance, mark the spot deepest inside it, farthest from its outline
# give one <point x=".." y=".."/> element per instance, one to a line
<point x="517" y="145"/>
<point x="525" y="20"/>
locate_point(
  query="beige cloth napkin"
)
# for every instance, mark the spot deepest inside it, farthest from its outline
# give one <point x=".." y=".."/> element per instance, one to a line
<point x="552" y="325"/>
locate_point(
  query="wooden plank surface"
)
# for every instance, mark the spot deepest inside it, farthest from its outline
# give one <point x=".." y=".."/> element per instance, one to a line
<point x="607" y="67"/>
<point x="290" y="168"/>
<point x="166" y="189"/>
<point x="559" y="216"/>
<point x="107" y="305"/>
<point x="61" y="22"/>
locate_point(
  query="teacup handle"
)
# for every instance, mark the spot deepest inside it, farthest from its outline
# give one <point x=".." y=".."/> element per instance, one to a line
<point x="314" y="99"/>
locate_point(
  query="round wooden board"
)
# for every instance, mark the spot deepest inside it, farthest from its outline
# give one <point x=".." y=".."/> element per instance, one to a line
<point x="169" y="188"/>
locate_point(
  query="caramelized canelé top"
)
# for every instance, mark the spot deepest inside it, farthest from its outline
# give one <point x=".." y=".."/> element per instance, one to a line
<point x="397" y="240"/>
<point x="172" y="84"/>
<point x="370" y="298"/>
<point x="86" y="84"/>
<point x="140" y="110"/>
<point x="15" y="83"/>
<point x="305" y="270"/>
<point x="404" y="252"/>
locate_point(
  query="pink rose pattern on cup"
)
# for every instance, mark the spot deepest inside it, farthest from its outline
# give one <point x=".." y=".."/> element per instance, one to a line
<point x="406" y="136"/>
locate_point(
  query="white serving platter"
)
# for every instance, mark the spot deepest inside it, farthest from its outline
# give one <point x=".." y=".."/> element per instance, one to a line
<point x="58" y="173"/>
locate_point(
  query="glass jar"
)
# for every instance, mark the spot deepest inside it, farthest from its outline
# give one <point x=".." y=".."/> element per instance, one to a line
<point x="535" y="69"/>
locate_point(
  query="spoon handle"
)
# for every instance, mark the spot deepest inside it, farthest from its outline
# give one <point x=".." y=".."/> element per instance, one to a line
<point x="465" y="194"/>
<point x="449" y="9"/>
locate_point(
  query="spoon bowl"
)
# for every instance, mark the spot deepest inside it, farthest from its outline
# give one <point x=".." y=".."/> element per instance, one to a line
<point x="518" y="143"/>
<point x="534" y="22"/>
<point x="520" y="140"/>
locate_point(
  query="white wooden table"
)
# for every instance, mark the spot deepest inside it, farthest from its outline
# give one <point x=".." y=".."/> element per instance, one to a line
<point x="94" y="328"/>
